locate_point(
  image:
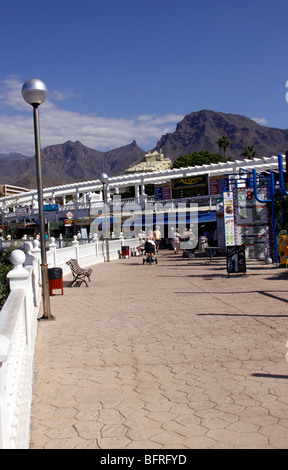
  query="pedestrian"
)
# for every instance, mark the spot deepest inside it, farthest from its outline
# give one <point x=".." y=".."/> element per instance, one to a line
<point x="176" y="241"/>
<point x="140" y="247"/>
<point x="150" y="246"/>
<point x="185" y="238"/>
<point x="157" y="237"/>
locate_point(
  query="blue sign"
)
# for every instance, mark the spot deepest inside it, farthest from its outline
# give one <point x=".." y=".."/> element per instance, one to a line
<point x="51" y="207"/>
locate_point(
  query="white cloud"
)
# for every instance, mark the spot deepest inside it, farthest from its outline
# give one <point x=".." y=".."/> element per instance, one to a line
<point x="260" y="120"/>
<point x="58" y="125"/>
<point x="10" y="94"/>
<point x="60" y="95"/>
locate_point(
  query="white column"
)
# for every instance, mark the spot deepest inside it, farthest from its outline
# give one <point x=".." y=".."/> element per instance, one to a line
<point x="137" y="192"/>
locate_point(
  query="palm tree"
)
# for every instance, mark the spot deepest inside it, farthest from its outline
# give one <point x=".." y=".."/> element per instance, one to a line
<point x="224" y="143"/>
<point x="249" y="152"/>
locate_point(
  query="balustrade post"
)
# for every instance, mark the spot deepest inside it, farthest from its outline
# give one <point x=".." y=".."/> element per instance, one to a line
<point x="52" y="244"/>
<point x="18" y="276"/>
<point x="30" y="257"/>
<point x="75" y="244"/>
<point x="96" y="241"/>
<point x="31" y="264"/>
<point x="4" y="348"/>
<point x="37" y="253"/>
<point x="53" y="247"/>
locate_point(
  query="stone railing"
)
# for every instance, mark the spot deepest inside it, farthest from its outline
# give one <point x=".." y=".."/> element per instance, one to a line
<point x="86" y="254"/>
<point x="18" y="328"/>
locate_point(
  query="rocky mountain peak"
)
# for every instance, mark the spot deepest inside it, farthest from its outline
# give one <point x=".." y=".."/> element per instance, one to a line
<point x="202" y="129"/>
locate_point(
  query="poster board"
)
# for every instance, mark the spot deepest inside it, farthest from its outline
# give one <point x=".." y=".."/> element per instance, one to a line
<point x="252" y="223"/>
<point x="218" y="185"/>
<point x="228" y="207"/>
<point x="162" y="191"/>
<point x="84" y="233"/>
<point x="236" y="260"/>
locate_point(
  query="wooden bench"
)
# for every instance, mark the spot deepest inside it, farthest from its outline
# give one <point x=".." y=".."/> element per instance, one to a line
<point x="77" y="272"/>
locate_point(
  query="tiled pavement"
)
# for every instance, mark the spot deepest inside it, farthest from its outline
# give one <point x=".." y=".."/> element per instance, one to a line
<point x="177" y="355"/>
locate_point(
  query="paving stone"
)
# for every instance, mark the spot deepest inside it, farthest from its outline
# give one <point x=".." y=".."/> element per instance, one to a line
<point x="88" y="429"/>
<point x="177" y="356"/>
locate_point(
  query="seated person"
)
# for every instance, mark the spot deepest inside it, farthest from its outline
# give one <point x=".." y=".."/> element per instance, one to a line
<point x="140" y="248"/>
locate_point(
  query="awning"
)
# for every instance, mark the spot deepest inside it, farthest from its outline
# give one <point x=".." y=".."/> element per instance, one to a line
<point x="172" y="219"/>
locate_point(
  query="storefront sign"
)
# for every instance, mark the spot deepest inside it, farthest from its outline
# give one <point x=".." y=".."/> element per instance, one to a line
<point x="162" y="191"/>
<point x="23" y="211"/>
<point x="51" y="207"/>
<point x="190" y="187"/>
<point x="217" y="185"/>
<point x="68" y="222"/>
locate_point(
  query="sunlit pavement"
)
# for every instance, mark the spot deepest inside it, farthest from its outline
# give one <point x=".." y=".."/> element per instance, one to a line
<point x="177" y="355"/>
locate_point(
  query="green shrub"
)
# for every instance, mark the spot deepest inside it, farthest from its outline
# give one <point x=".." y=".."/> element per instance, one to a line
<point x="5" y="267"/>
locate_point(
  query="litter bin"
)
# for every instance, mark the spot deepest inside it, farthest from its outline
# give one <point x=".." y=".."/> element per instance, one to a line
<point x="125" y="252"/>
<point x="55" y="277"/>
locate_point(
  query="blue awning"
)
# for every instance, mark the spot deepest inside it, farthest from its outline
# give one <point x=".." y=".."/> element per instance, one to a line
<point x="172" y="219"/>
<point x="207" y="217"/>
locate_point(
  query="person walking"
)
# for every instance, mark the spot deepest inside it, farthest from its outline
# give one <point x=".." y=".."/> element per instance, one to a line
<point x="157" y="237"/>
<point x="176" y="241"/>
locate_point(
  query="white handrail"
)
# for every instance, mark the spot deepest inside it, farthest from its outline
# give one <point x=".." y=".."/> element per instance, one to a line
<point x="18" y="329"/>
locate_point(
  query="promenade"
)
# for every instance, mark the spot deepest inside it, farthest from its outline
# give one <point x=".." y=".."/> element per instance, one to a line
<point x="177" y="355"/>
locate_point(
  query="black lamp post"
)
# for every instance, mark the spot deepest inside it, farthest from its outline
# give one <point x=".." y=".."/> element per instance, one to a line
<point x="104" y="178"/>
<point x="34" y="92"/>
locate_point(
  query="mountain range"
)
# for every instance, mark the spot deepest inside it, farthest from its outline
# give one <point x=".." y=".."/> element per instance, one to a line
<point x="72" y="161"/>
<point x="201" y="131"/>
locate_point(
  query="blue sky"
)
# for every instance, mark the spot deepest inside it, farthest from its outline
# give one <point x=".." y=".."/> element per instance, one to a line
<point x="123" y="70"/>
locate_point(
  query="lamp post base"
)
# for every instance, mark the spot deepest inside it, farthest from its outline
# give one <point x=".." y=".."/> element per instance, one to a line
<point x="107" y="251"/>
<point x="47" y="315"/>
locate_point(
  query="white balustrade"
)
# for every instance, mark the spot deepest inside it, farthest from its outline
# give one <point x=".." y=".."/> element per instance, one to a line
<point x="18" y="327"/>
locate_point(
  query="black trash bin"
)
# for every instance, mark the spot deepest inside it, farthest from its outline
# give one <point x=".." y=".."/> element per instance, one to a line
<point x="55" y="276"/>
<point x="55" y="273"/>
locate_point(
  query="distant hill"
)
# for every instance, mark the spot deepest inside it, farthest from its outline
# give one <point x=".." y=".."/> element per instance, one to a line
<point x="201" y="130"/>
<point x="72" y="161"/>
<point x="12" y="156"/>
<point x="69" y="162"/>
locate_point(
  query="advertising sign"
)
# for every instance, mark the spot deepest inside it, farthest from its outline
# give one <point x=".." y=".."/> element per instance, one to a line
<point x="220" y="224"/>
<point x="68" y="222"/>
<point x="190" y="186"/>
<point x="84" y="233"/>
<point x="228" y="207"/>
<point x="23" y="211"/>
<point x="217" y="185"/>
<point x="252" y="223"/>
<point x="51" y="207"/>
<point x="162" y="191"/>
<point x="236" y="261"/>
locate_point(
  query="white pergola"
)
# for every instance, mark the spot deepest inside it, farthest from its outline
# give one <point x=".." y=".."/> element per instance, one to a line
<point x="115" y="183"/>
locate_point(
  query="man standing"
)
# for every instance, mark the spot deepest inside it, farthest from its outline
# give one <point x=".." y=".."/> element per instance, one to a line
<point x="157" y="237"/>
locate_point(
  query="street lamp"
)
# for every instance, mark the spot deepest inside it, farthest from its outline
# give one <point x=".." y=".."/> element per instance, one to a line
<point x="89" y="199"/>
<point x="104" y="178"/>
<point x="34" y="92"/>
